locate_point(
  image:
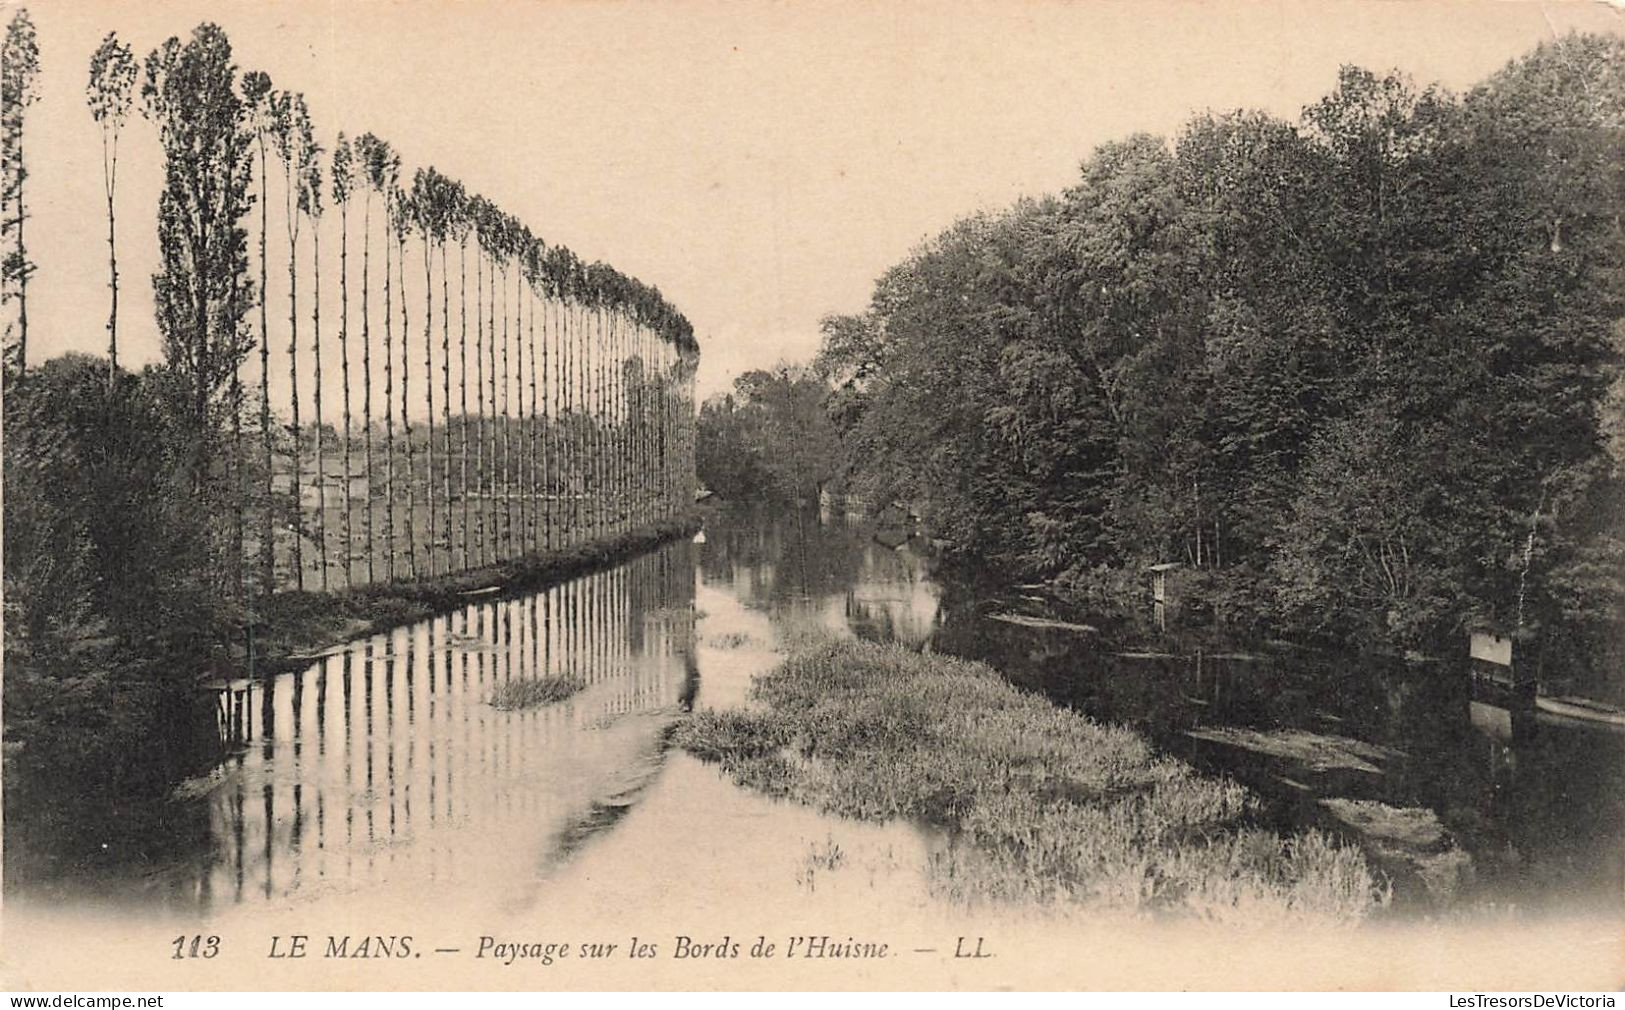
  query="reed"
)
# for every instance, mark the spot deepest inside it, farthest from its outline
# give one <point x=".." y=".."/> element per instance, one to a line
<point x="534" y="692"/>
<point x="1045" y="805"/>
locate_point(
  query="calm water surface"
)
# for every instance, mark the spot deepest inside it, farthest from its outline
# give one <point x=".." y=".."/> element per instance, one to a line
<point x="383" y="769"/>
<point x="1471" y="809"/>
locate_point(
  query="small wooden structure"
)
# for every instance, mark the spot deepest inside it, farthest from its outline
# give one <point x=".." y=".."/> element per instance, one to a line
<point x="1494" y="672"/>
<point x="1159" y="580"/>
<point x="1159" y="591"/>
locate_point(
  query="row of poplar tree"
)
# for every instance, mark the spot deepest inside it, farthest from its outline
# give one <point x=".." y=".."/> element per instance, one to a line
<point x="496" y="395"/>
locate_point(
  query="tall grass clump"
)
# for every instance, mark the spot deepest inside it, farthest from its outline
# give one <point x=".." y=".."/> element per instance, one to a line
<point x="533" y="692"/>
<point x="1044" y="804"/>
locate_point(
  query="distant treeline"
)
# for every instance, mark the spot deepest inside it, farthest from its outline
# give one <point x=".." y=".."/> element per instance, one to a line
<point x="1355" y="370"/>
<point x="770" y="439"/>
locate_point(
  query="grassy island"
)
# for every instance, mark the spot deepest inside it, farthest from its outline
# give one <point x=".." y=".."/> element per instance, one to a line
<point x="1044" y="805"/>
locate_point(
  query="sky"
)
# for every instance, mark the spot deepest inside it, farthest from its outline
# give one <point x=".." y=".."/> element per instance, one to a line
<point x="762" y="163"/>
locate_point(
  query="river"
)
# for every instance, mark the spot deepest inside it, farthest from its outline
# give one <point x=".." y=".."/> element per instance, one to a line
<point x="380" y="774"/>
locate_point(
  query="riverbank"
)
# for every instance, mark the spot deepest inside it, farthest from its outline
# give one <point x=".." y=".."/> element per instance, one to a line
<point x="57" y="831"/>
<point x="1046" y="806"/>
<point x="292" y="627"/>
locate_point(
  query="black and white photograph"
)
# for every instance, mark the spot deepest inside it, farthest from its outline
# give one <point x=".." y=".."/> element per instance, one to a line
<point x="582" y="495"/>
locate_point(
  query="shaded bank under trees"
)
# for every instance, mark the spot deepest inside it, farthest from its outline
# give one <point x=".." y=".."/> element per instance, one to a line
<point x="110" y="612"/>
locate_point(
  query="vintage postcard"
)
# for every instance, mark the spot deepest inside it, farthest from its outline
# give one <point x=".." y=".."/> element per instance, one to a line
<point x="1014" y="494"/>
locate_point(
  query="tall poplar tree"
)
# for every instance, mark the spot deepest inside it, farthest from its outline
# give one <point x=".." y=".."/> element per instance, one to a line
<point x="202" y="288"/>
<point x="343" y="182"/>
<point x="296" y="147"/>
<point x="401" y="226"/>
<point x="460" y="224"/>
<point x="378" y="166"/>
<point x="382" y="167"/>
<point x="110" y="94"/>
<point x="19" y="69"/>
<point x="256" y="98"/>
<point x="312" y="185"/>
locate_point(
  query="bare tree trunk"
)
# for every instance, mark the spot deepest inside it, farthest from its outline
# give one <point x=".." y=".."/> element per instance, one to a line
<point x="535" y="528"/>
<point x="344" y="375"/>
<point x="600" y="457"/>
<point x="618" y="380"/>
<point x="648" y="481"/>
<point x="110" y="165"/>
<point x="479" y="396"/>
<point x="521" y="419"/>
<point x="572" y="452"/>
<point x="507" y="427"/>
<point x="589" y="473"/>
<point x="389" y="406"/>
<point x="316" y="350"/>
<point x="406" y="418"/>
<point x="366" y="381"/>
<point x="584" y="421"/>
<point x="668" y="433"/>
<point x="239" y="517"/>
<point x="445" y="399"/>
<point x="623" y="507"/>
<point x="548" y="413"/>
<point x="566" y="456"/>
<point x="462" y="384"/>
<point x="634" y="339"/>
<point x="612" y="491"/>
<point x="293" y="395"/>
<point x="428" y="391"/>
<point x="268" y="532"/>
<point x="634" y="414"/>
<point x="491" y="395"/>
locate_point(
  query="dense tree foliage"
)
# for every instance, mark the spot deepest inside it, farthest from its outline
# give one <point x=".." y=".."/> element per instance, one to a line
<point x="770" y="439"/>
<point x="111" y="613"/>
<point x="1353" y="369"/>
<point x="202" y="292"/>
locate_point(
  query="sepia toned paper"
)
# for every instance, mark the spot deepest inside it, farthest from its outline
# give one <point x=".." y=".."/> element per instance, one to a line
<point x="761" y="164"/>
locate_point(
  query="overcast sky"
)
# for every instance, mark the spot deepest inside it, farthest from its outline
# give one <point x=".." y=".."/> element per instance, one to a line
<point x="761" y="163"/>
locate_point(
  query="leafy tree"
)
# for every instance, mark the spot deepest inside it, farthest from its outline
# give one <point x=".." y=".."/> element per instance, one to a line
<point x="771" y="438"/>
<point x="111" y="602"/>
<point x="1350" y="366"/>
<point x="202" y="289"/>
<point x="382" y="167"/>
<point x="436" y="199"/>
